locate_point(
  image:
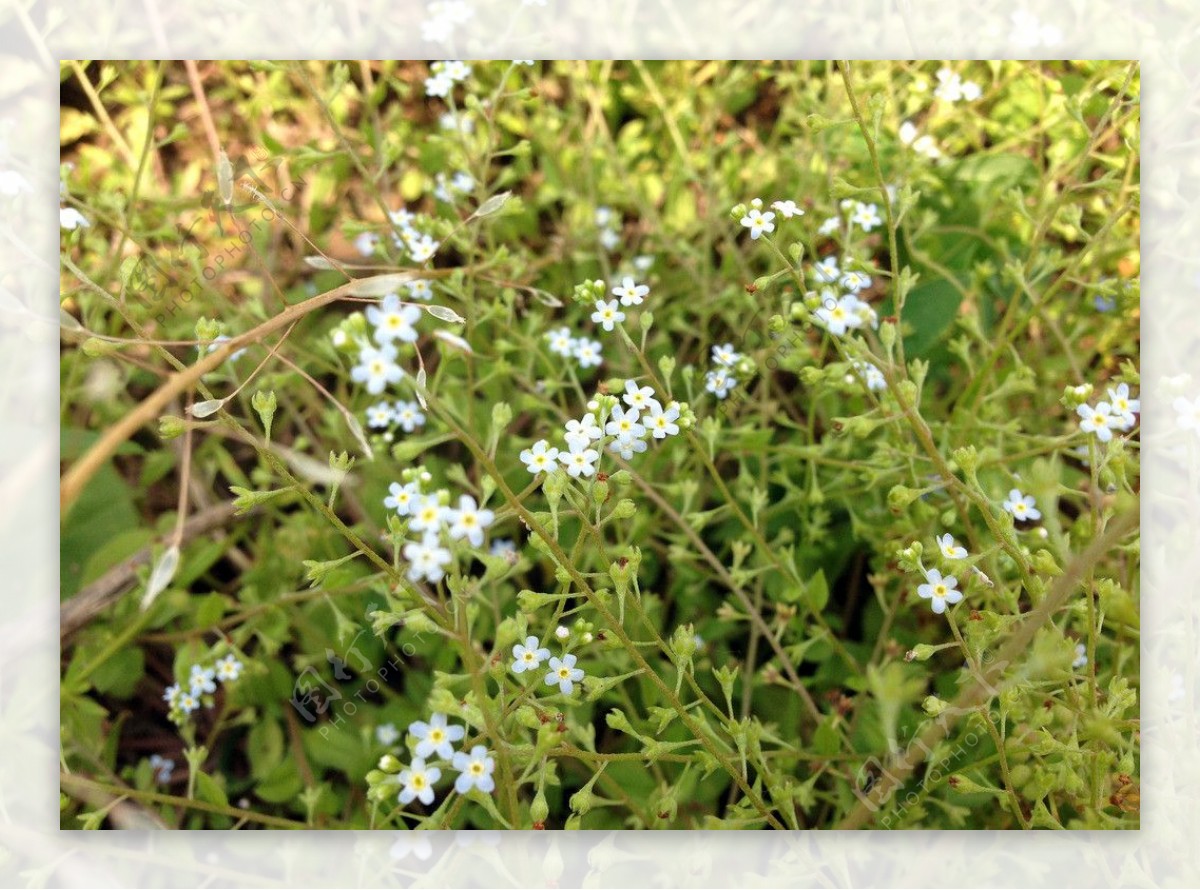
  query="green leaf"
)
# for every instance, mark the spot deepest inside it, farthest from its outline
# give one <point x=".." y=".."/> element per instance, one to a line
<point x="209" y="791"/>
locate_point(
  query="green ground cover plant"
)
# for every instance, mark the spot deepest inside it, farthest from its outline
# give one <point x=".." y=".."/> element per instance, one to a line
<point x="508" y="444"/>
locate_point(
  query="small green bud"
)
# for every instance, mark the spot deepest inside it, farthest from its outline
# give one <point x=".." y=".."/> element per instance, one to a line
<point x="683" y="643"/>
<point x="94" y="347"/>
<point x="599" y="493"/>
<point x="737" y="212"/>
<point x="539" y="809"/>
<point x="963" y="785"/>
<point x="1074" y="396"/>
<point x="887" y="336"/>
<point x="207" y="329"/>
<point x="646" y="319"/>
<point x="621" y="477"/>
<point x="666" y="365"/>
<point x="625" y="509"/>
<point x="501" y="417"/>
<point x="1044" y="562"/>
<point x="798" y="311"/>
<point x="920" y="652"/>
<point x="932" y="705"/>
<point x="265" y="404"/>
<point x="900" y="496"/>
<point x="171" y="427"/>
<point x="967" y="459"/>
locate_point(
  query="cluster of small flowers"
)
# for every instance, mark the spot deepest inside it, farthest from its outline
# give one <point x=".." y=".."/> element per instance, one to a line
<point x="627" y="293"/>
<point x="921" y="144"/>
<point x="583" y="350"/>
<point x="609" y="223"/>
<point x="563" y="673"/>
<point x="447" y="188"/>
<point x="416" y="781"/>
<point x="869" y="374"/>
<point x="430" y="514"/>
<point x="201" y="685"/>
<point x="760" y="223"/>
<point x="408" y="237"/>
<point x="1118" y="413"/>
<point x="444" y="17"/>
<point x="842" y="312"/>
<point x="161" y="768"/>
<point x="720" y="379"/>
<point x="951" y="87"/>
<point x="865" y="216"/>
<point x="445" y="76"/>
<point x="627" y="426"/>
<point x="383" y="415"/>
<point x="393" y="321"/>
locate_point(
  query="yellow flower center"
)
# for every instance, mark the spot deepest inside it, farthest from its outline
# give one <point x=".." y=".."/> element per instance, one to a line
<point x="477" y="768"/>
<point x="564" y="673"/>
<point x="418" y="780"/>
<point x="939" y="590"/>
<point x="436" y="735"/>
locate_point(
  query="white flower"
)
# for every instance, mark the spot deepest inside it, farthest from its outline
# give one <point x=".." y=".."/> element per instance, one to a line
<point x="435" y="737"/>
<point x="609" y="239"/>
<point x="1098" y="420"/>
<point x="855" y="281"/>
<point x="1187" y="413"/>
<point x="604" y="215"/>
<point x="69" y="218"/>
<point x="949" y="88"/>
<point x="627" y="448"/>
<point x="758" y="222"/>
<point x="562" y="632"/>
<point x="439" y="85"/>
<point x="366" y="242"/>
<point x="607" y="314"/>
<point x="379" y="415"/>
<point x="630" y="292"/>
<point x="408" y="415"/>
<point x="564" y="673"/>
<point x="585" y="430"/>
<point x="529" y="656"/>
<point x="830" y="226"/>
<point x="642" y="398"/>
<point x="949" y="549"/>
<point x="202" y="680"/>
<point x="971" y="90"/>
<point x="1080" y="656"/>
<point x="427" y="559"/>
<point x="643" y="262"/>
<point x="461" y="122"/>
<point x="719" y="382"/>
<point x="402" y="497"/>
<point x="161" y="767"/>
<point x="540" y="458"/>
<point x="417" y="782"/>
<point x="172" y="694"/>
<point x="725" y="356"/>
<point x="228" y="668"/>
<point x="1028" y="33"/>
<point x="1022" y="506"/>
<point x="428" y="514"/>
<point x="422" y="248"/>
<point x="503" y="547"/>
<point x="580" y="460"/>
<point x="561" y="341"/>
<point x="921" y="144"/>
<point x="475" y="770"/>
<point x="787" y="209"/>
<point x="827" y="271"/>
<point x="1124" y="408"/>
<point x="840" y="315"/>
<point x="662" y="423"/>
<point x="587" y="352"/>
<point x="871" y="375"/>
<point x="420" y="289"/>
<point x="387" y="734"/>
<point x="624" y="424"/>
<point x="376" y="368"/>
<point x="469" y="521"/>
<point x="939" y="591"/>
<point x="455" y="70"/>
<point x="189" y="701"/>
<point x="866" y="217"/>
